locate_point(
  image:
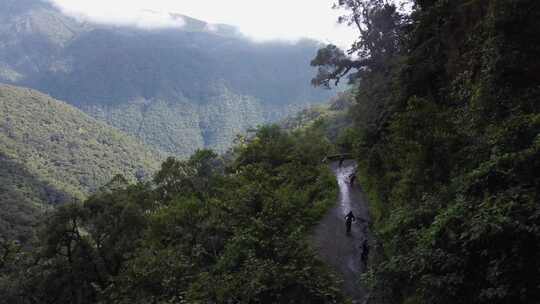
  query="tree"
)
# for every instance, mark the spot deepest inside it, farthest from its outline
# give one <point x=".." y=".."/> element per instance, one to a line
<point x="448" y="146"/>
<point x="380" y="25"/>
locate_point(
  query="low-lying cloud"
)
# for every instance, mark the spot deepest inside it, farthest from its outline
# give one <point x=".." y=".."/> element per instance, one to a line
<point x="260" y="20"/>
<point x="140" y="18"/>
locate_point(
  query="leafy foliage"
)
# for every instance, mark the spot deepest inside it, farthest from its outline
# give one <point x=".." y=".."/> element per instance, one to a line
<point x="203" y="231"/>
<point x="333" y="119"/>
<point x="448" y="147"/>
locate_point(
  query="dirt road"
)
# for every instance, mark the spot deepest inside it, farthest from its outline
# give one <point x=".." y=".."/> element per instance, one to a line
<point x="339" y="250"/>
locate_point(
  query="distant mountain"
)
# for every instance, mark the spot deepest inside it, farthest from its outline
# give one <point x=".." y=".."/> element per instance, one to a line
<point x="52" y="153"/>
<point x="177" y="89"/>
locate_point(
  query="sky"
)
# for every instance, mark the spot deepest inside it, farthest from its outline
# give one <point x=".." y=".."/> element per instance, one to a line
<point x="261" y="20"/>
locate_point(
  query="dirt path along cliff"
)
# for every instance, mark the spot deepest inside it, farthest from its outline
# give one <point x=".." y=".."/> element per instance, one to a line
<point x="341" y="251"/>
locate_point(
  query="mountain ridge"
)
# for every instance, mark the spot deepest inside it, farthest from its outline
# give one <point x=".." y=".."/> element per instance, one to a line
<point x="52" y="153"/>
<point x="108" y="67"/>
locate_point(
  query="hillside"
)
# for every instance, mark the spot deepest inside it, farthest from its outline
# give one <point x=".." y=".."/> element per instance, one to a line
<point x="175" y="89"/>
<point x="52" y="153"/>
<point x="443" y="124"/>
<point x="447" y="124"/>
<point x="334" y="118"/>
<point x="203" y="231"/>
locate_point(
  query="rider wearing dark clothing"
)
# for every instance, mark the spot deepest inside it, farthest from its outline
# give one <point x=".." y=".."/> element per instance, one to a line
<point x="349" y="218"/>
<point x="352" y="178"/>
<point x="365" y="252"/>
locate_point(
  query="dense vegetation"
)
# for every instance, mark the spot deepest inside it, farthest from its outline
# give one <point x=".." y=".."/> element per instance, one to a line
<point x="204" y="230"/>
<point x="332" y="115"/>
<point x="176" y="89"/>
<point x="52" y="153"/>
<point x="447" y="128"/>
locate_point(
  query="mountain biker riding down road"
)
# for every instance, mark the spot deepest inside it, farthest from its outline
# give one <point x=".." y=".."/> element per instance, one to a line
<point x="349" y="218"/>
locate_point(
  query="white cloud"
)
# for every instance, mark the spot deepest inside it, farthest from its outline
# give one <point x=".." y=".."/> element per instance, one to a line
<point x="129" y="16"/>
<point x="152" y="19"/>
<point x="259" y="19"/>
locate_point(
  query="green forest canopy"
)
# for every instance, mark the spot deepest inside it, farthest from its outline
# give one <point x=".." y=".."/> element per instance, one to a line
<point x="446" y="133"/>
<point x="203" y="231"/>
<point x="52" y="153"/>
<point x="445" y="129"/>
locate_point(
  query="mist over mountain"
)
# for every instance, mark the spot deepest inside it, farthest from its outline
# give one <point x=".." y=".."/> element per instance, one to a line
<point x="178" y="89"/>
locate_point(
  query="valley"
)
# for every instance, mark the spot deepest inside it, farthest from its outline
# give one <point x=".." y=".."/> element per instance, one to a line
<point x="177" y="90"/>
<point x="165" y="159"/>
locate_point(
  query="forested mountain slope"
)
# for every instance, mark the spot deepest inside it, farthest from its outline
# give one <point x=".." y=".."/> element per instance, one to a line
<point x="51" y="153"/>
<point x="446" y="135"/>
<point x="447" y="138"/>
<point x="177" y="89"/>
<point x="333" y="115"/>
<point x="203" y="231"/>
